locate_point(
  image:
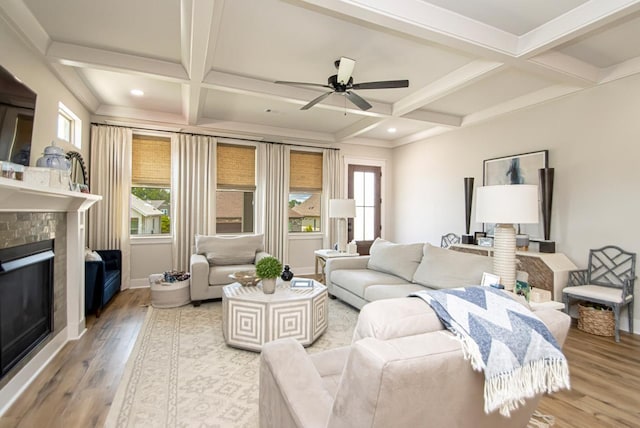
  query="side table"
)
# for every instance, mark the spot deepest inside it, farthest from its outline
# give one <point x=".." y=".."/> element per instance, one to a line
<point x="169" y="294"/>
<point x="321" y="260"/>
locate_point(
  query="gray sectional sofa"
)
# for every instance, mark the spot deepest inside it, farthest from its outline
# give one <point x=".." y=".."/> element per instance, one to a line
<point x="395" y="270"/>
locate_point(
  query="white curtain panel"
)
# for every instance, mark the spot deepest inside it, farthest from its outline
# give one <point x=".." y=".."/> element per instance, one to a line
<point x="332" y="189"/>
<point x="275" y="177"/>
<point x="111" y="177"/>
<point x="193" y="209"/>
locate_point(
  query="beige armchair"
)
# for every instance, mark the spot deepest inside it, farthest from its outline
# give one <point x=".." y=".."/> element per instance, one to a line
<point x="401" y="370"/>
<point x="216" y="257"/>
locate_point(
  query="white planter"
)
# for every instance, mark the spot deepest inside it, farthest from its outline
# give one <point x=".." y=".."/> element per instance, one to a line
<point x="268" y="285"/>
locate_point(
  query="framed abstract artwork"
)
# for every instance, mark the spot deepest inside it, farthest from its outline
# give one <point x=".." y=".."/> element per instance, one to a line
<point x="515" y="169"/>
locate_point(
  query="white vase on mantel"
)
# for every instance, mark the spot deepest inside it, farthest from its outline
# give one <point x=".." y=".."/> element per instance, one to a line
<point x="268" y="285"/>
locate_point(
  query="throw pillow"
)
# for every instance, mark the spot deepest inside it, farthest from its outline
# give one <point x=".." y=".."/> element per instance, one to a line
<point x="91" y="256"/>
<point x="397" y="259"/>
<point x="443" y="268"/>
<point x="229" y="250"/>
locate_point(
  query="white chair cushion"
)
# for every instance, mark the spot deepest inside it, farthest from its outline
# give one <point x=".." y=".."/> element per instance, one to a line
<point x="397" y="259"/>
<point x="229" y="250"/>
<point x="609" y="294"/>
<point x="444" y="268"/>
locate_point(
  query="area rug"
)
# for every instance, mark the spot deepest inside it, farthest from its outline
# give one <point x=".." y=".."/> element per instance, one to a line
<point x="182" y="374"/>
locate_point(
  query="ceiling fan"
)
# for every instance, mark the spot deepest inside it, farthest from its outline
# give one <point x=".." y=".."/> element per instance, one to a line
<point x="342" y="83"/>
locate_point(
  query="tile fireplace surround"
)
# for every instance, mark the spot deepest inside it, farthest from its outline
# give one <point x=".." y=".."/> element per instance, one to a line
<point x="30" y="213"/>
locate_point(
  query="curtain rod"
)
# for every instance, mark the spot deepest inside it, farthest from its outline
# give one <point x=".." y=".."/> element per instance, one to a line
<point x="216" y="136"/>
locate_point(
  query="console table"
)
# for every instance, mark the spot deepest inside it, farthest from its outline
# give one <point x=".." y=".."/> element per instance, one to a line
<point x="547" y="271"/>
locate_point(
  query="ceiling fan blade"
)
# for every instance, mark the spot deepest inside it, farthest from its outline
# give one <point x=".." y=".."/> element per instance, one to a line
<point x="345" y="69"/>
<point x="382" y="85"/>
<point x="283" y="82"/>
<point x="358" y="100"/>
<point x="316" y="100"/>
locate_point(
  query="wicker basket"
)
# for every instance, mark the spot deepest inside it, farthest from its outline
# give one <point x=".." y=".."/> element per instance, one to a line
<point x="596" y="321"/>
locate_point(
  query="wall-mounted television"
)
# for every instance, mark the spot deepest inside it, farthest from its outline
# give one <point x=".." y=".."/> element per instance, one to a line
<point x="17" y="111"/>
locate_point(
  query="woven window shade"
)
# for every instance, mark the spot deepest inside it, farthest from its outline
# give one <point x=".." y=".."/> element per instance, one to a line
<point x="236" y="167"/>
<point x="151" y="161"/>
<point x="305" y="171"/>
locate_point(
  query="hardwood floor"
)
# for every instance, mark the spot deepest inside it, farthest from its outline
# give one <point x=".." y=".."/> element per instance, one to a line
<point x="77" y="387"/>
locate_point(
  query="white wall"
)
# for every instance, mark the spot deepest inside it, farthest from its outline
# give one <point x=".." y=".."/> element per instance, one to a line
<point x="593" y="139"/>
<point x="149" y="255"/>
<point x="19" y="59"/>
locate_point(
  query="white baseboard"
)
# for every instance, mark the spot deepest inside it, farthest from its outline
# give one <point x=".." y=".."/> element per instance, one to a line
<point x="16" y="386"/>
<point x="139" y="283"/>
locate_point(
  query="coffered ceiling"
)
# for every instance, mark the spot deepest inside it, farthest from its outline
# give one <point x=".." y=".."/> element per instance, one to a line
<point x="210" y="65"/>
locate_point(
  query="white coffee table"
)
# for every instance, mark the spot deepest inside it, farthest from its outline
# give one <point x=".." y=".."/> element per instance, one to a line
<point x="251" y="318"/>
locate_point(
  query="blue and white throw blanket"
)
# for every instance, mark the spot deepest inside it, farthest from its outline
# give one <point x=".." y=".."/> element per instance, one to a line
<point x="518" y="354"/>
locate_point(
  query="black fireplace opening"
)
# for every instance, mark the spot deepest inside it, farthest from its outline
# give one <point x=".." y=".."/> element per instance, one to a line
<point x="26" y="300"/>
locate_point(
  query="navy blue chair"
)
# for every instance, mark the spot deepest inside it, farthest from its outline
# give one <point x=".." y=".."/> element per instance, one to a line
<point x="102" y="279"/>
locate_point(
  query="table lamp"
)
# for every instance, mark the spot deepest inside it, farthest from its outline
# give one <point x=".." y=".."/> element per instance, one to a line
<point x="506" y="205"/>
<point x="342" y="209"/>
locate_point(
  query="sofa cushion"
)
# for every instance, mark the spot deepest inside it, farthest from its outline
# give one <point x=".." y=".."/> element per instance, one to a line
<point x="229" y="250"/>
<point x="390" y="291"/>
<point x="397" y="259"/>
<point x="91" y="256"/>
<point x="442" y="268"/>
<point x="356" y="280"/>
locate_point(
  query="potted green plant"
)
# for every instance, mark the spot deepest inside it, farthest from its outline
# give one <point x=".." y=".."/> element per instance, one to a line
<point x="268" y="269"/>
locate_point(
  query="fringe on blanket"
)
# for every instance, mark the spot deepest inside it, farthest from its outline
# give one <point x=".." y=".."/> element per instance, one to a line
<point x="508" y="391"/>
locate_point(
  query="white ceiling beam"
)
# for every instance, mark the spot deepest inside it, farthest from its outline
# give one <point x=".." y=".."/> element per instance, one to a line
<point x="422" y="135"/>
<point x="418" y="18"/>
<point x="248" y="86"/>
<point x="618" y="71"/>
<point x="18" y="15"/>
<point x="82" y="56"/>
<point x="572" y="67"/>
<point x="530" y="99"/>
<point x="200" y="22"/>
<point x="581" y="20"/>
<point x="434" y="117"/>
<point x="138" y="114"/>
<point x="186" y="6"/>
<point x="358" y="128"/>
<point x="270" y="133"/>
<point x="454" y="81"/>
<point x="70" y="78"/>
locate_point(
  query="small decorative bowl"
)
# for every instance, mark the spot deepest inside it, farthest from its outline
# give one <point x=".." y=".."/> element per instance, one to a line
<point x="245" y="277"/>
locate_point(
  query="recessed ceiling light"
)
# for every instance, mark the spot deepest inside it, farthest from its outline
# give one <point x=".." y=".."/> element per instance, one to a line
<point x="391" y="130"/>
<point x="137" y="92"/>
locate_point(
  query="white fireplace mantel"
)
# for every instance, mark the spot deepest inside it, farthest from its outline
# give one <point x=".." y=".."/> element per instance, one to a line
<point x="19" y="196"/>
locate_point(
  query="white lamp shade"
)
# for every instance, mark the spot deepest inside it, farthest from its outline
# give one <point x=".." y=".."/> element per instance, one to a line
<point x="342" y="208"/>
<point x="516" y="203"/>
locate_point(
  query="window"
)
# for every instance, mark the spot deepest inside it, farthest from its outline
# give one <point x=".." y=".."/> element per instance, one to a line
<point x="305" y="191"/>
<point x="69" y="126"/>
<point x="150" y="185"/>
<point x="236" y="185"/>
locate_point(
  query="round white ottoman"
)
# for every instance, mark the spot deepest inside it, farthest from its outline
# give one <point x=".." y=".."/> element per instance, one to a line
<point x="170" y="294"/>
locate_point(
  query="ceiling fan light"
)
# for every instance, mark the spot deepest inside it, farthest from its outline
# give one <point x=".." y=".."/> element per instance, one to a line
<point x="137" y="92"/>
<point x="391" y="130"/>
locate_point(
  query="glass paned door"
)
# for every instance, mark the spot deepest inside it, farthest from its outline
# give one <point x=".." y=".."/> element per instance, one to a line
<point x="364" y="187"/>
